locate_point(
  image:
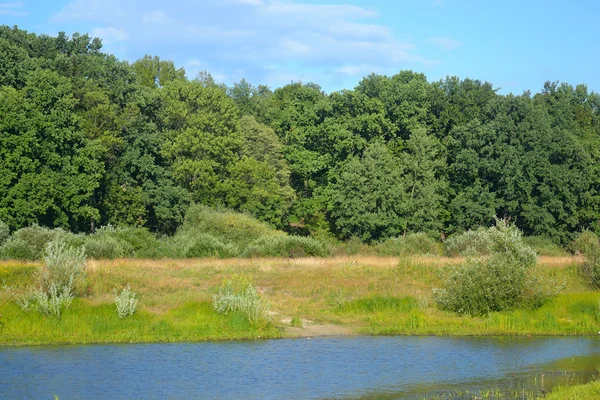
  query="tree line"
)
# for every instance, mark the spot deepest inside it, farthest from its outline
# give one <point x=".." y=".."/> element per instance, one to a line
<point x="88" y="140"/>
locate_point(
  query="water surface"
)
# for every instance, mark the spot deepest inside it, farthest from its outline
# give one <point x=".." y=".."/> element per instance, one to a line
<point x="320" y="368"/>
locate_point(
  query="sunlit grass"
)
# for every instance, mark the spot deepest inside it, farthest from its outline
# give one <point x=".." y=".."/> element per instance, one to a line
<point x="372" y="295"/>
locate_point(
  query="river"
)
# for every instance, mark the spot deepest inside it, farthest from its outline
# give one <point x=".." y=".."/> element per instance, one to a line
<point x="398" y="367"/>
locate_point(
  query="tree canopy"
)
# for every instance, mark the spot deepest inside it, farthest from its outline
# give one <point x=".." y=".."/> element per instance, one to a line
<point x="88" y="140"/>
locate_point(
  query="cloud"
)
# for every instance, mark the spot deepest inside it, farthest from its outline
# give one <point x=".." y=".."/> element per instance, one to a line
<point x="14" y="9"/>
<point x="302" y="40"/>
<point x="445" y="43"/>
<point x="156" y="17"/>
<point x="110" y="34"/>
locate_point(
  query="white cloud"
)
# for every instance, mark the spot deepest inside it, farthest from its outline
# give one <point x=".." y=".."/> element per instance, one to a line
<point x="14" y="9"/>
<point x="445" y="43"/>
<point x="306" y="41"/>
<point x="110" y="34"/>
<point x="157" y="17"/>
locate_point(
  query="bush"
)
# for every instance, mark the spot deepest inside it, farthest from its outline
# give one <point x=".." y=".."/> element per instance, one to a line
<point x="55" y="281"/>
<point x="590" y="246"/>
<point x="351" y="247"/>
<point x="226" y="225"/>
<point x="140" y="242"/>
<point x="4" y="232"/>
<point x="470" y="243"/>
<point x="544" y="246"/>
<point x="29" y="243"/>
<point x="286" y="246"/>
<point x="17" y="249"/>
<point x="411" y="244"/>
<point x="198" y="245"/>
<point x="126" y="302"/>
<point x="584" y="242"/>
<point x="104" y="247"/>
<point x="239" y="295"/>
<point x="505" y="280"/>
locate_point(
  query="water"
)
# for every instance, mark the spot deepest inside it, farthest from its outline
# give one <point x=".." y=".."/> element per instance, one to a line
<point x="319" y="368"/>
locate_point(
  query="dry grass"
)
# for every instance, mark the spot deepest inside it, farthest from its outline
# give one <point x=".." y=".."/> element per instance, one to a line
<point x="319" y="289"/>
<point x="310" y="287"/>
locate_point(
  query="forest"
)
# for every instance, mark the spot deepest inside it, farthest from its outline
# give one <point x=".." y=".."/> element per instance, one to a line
<point x="87" y="140"/>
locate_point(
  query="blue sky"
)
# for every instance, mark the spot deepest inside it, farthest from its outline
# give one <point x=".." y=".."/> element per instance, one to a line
<point x="516" y="45"/>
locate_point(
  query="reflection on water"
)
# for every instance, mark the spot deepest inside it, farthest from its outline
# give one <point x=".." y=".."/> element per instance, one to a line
<point x="336" y="368"/>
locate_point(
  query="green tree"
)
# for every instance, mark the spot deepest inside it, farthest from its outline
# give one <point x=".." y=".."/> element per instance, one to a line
<point x="369" y="198"/>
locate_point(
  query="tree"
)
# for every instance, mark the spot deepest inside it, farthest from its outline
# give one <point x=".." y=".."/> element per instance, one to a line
<point x="369" y="198"/>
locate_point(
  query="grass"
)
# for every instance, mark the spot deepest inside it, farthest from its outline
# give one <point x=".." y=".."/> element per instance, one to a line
<point x="371" y="295"/>
<point x="590" y="391"/>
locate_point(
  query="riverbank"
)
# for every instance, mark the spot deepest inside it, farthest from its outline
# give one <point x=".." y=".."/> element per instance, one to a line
<point x="308" y="297"/>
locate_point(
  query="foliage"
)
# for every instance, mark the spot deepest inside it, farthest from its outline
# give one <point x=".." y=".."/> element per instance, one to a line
<point x="29" y="243"/>
<point x="544" y="246"/>
<point x="590" y="245"/>
<point x="227" y="225"/>
<point x="411" y="244"/>
<point x="369" y="198"/>
<point x="469" y="243"/>
<point x="126" y="302"/>
<point x="196" y="245"/>
<point x="87" y="140"/>
<point x="4" y="232"/>
<point x="56" y="281"/>
<point x="286" y="246"/>
<point x="238" y="295"/>
<point x="505" y="280"/>
<point x="584" y="242"/>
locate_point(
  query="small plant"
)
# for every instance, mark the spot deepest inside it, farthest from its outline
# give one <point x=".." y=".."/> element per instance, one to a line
<point x="55" y="281"/>
<point x="296" y="322"/>
<point x="239" y="295"/>
<point x="126" y="302"/>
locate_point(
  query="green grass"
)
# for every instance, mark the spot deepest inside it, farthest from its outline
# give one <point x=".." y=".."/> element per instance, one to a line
<point x="566" y="314"/>
<point x="87" y="323"/>
<point x="590" y="391"/>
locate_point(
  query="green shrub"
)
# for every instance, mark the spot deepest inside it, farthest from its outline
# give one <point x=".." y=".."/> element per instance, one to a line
<point x="591" y="266"/>
<point x="226" y="225"/>
<point x="286" y="246"/>
<point x="238" y="295"/>
<point x="56" y="280"/>
<point x="29" y="243"/>
<point x="351" y="247"/>
<point x="411" y="244"/>
<point x="139" y="241"/>
<point x="197" y="245"/>
<point x="469" y="243"/>
<point x="584" y="242"/>
<point x="544" y="246"/>
<point x="505" y="280"/>
<point x="126" y="302"/>
<point x="17" y="249"/>
<point x="104" y="247"/>
<point x="4" y="232"/>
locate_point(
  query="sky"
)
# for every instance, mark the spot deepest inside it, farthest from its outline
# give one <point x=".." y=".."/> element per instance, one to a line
<point x="516" y="45"/>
